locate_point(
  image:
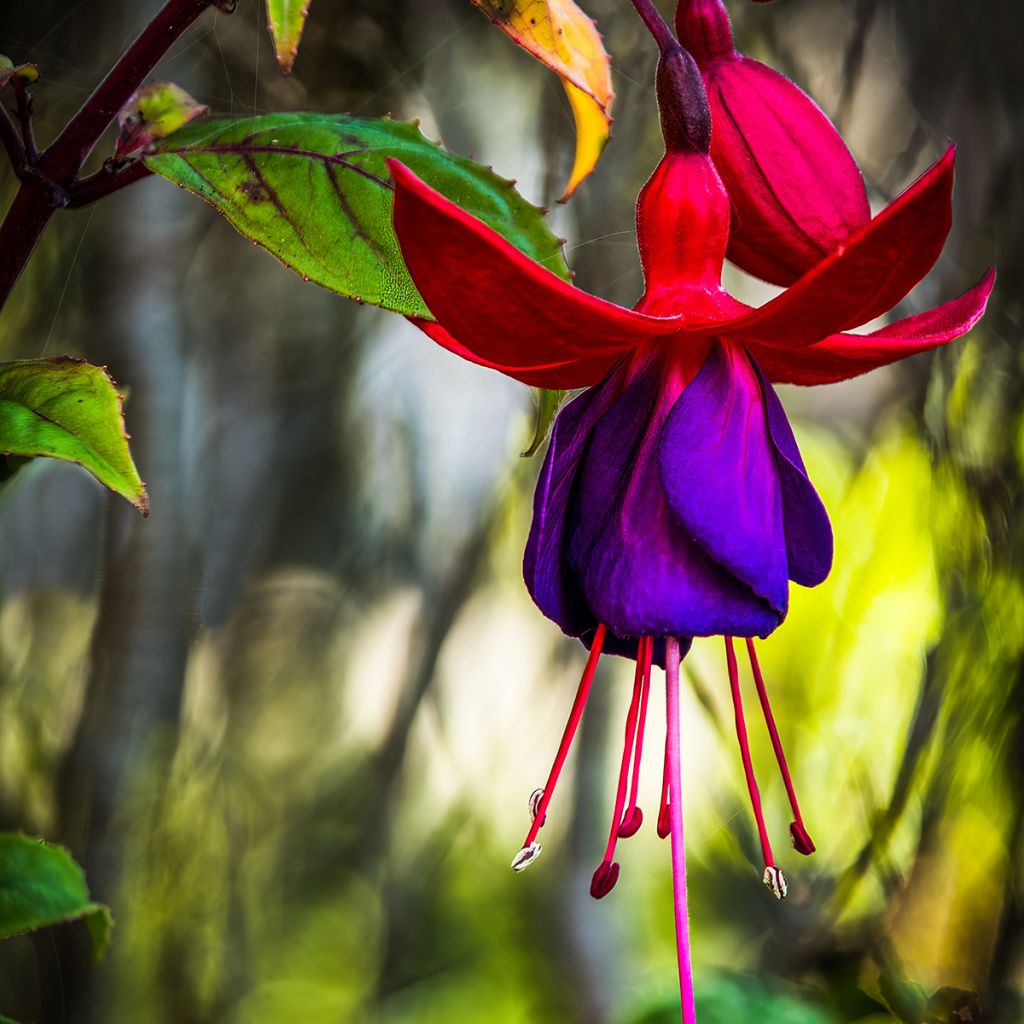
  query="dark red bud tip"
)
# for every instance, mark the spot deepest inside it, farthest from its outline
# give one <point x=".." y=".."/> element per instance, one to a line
<point x="631" y="823"/>
<point x="604" y="880"/>
<point x="802" y="842"/>
<point x="683" y="103"/>
<point x="664" y="822"/>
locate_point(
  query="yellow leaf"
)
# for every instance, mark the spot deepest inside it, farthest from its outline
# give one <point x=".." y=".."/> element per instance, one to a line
<point x="561" y="36"/>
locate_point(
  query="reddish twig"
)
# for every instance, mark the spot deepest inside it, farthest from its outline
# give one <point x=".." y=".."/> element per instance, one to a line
<point x="48" y="181"/>
<point x="109" y="179"/>
<point x="24" y="100"/>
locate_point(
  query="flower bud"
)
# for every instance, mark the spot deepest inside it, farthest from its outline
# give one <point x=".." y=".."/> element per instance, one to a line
<point x="682" y="103"/>
<point x="796" y="192"/>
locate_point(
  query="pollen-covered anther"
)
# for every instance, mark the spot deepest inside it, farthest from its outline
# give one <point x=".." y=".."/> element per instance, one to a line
<point x="664" y="822"/>
<point x="802" y="841"/>
<point x="535" y="798"/>
<point x="631" y="822"/>
<point x="776" y="882"/>
<point x="526" y="856"/>
<point x="604" y="879"/>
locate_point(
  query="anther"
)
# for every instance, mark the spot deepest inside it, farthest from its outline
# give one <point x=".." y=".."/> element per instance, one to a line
<point x="535" y="798"/>
<point x="604" y="879"/>
<point x="776" y="882"/>
<point x="802" y="841"/>
<point x="664" y="822"/>
<point x="631" y="822"/>
<point x="526" y="856"/>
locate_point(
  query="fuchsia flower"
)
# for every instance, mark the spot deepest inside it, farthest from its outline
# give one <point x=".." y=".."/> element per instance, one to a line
<point x="673" y="501"/>
<point x="796" y="192"/>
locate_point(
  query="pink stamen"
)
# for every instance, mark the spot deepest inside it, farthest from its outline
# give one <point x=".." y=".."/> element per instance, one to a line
<point x="664" y="812"/>
<point x="634" y="817"/>
<point x="607" y="873"/>
<point x="674" y="773"/>
<point x="748" y="767"/>
<point x="802" y="841"/>
<point x="541" y="808"/>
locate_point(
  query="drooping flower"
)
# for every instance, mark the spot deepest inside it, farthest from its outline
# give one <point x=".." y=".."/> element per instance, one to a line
<point x="796" y="191"/>
<point x="673" y="501"/>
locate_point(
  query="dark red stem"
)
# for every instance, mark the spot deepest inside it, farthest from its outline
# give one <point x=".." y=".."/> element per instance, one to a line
<point x="11" y="140"/>
<point x="104" y="182"/>
<point x="656" y="24"/>
<point x="24" y="100"/>
<point x="47" y="183"/>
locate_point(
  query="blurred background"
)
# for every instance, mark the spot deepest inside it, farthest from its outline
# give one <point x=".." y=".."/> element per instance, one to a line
<point x="290" y="723"/>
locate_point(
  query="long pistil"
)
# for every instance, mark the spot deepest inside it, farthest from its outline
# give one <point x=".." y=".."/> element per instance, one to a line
<point x="773" y="877"/>
<point x="531" y="848"/>
<point x="802" y="841"/>
<point x="674" y="773"/>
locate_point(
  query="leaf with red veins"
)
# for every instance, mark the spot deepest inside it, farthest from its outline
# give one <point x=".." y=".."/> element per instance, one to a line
<point x="154" y="112"/>
<point x="866" y="277"/>
<point x="503" y="307"/>
<point x="843" y="356"/>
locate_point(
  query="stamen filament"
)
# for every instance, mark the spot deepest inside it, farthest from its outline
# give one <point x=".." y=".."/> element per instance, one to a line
<point x="802" y="841"/>
<point x="607" y="873"/>
<point x="664" y="816"/>
<point x="568" y="735"/>
<point x="748" y="767"/>
<point x="674" y="774"/>
<point x="633" y="818"/>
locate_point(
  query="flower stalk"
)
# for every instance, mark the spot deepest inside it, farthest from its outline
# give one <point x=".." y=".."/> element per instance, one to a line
<point x="673" y="760"/>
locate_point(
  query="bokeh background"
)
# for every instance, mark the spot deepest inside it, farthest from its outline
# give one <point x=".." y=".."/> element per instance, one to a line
<point x="290" y="723"/>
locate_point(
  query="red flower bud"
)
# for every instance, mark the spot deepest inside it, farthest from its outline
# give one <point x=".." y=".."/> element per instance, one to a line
<point x="796" y="192"/>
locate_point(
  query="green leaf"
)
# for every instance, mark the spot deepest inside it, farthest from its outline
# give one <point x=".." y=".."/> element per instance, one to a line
<point x="314" y="190"/>
<point x="66" y="409"/>
<point x="287" y="19"/>
<point x="547" y="403"/>
<point x="40" y="885"/>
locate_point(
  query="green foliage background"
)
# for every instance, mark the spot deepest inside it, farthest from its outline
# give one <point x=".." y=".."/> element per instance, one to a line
<point x="290" y="723"/>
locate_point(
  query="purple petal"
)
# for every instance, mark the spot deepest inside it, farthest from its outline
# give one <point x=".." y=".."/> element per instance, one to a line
<point x="721" y="474"/>
<point x="549" y="578"/>
<point x="550" y="581"/>
<point x="808" y="531"/>
<point x="641" y="572"/>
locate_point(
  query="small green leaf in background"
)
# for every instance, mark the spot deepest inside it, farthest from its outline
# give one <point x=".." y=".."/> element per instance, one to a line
<point x="67" y="409"/>
<point x="153" y="112"/>
<point x="547" y="403"/>
<point x="726" y="998"/>
<point x="314" y="189"/>
<point x="287" y="19"/>
<point x="28" y="73"/>
<point x="40" y="885"/>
